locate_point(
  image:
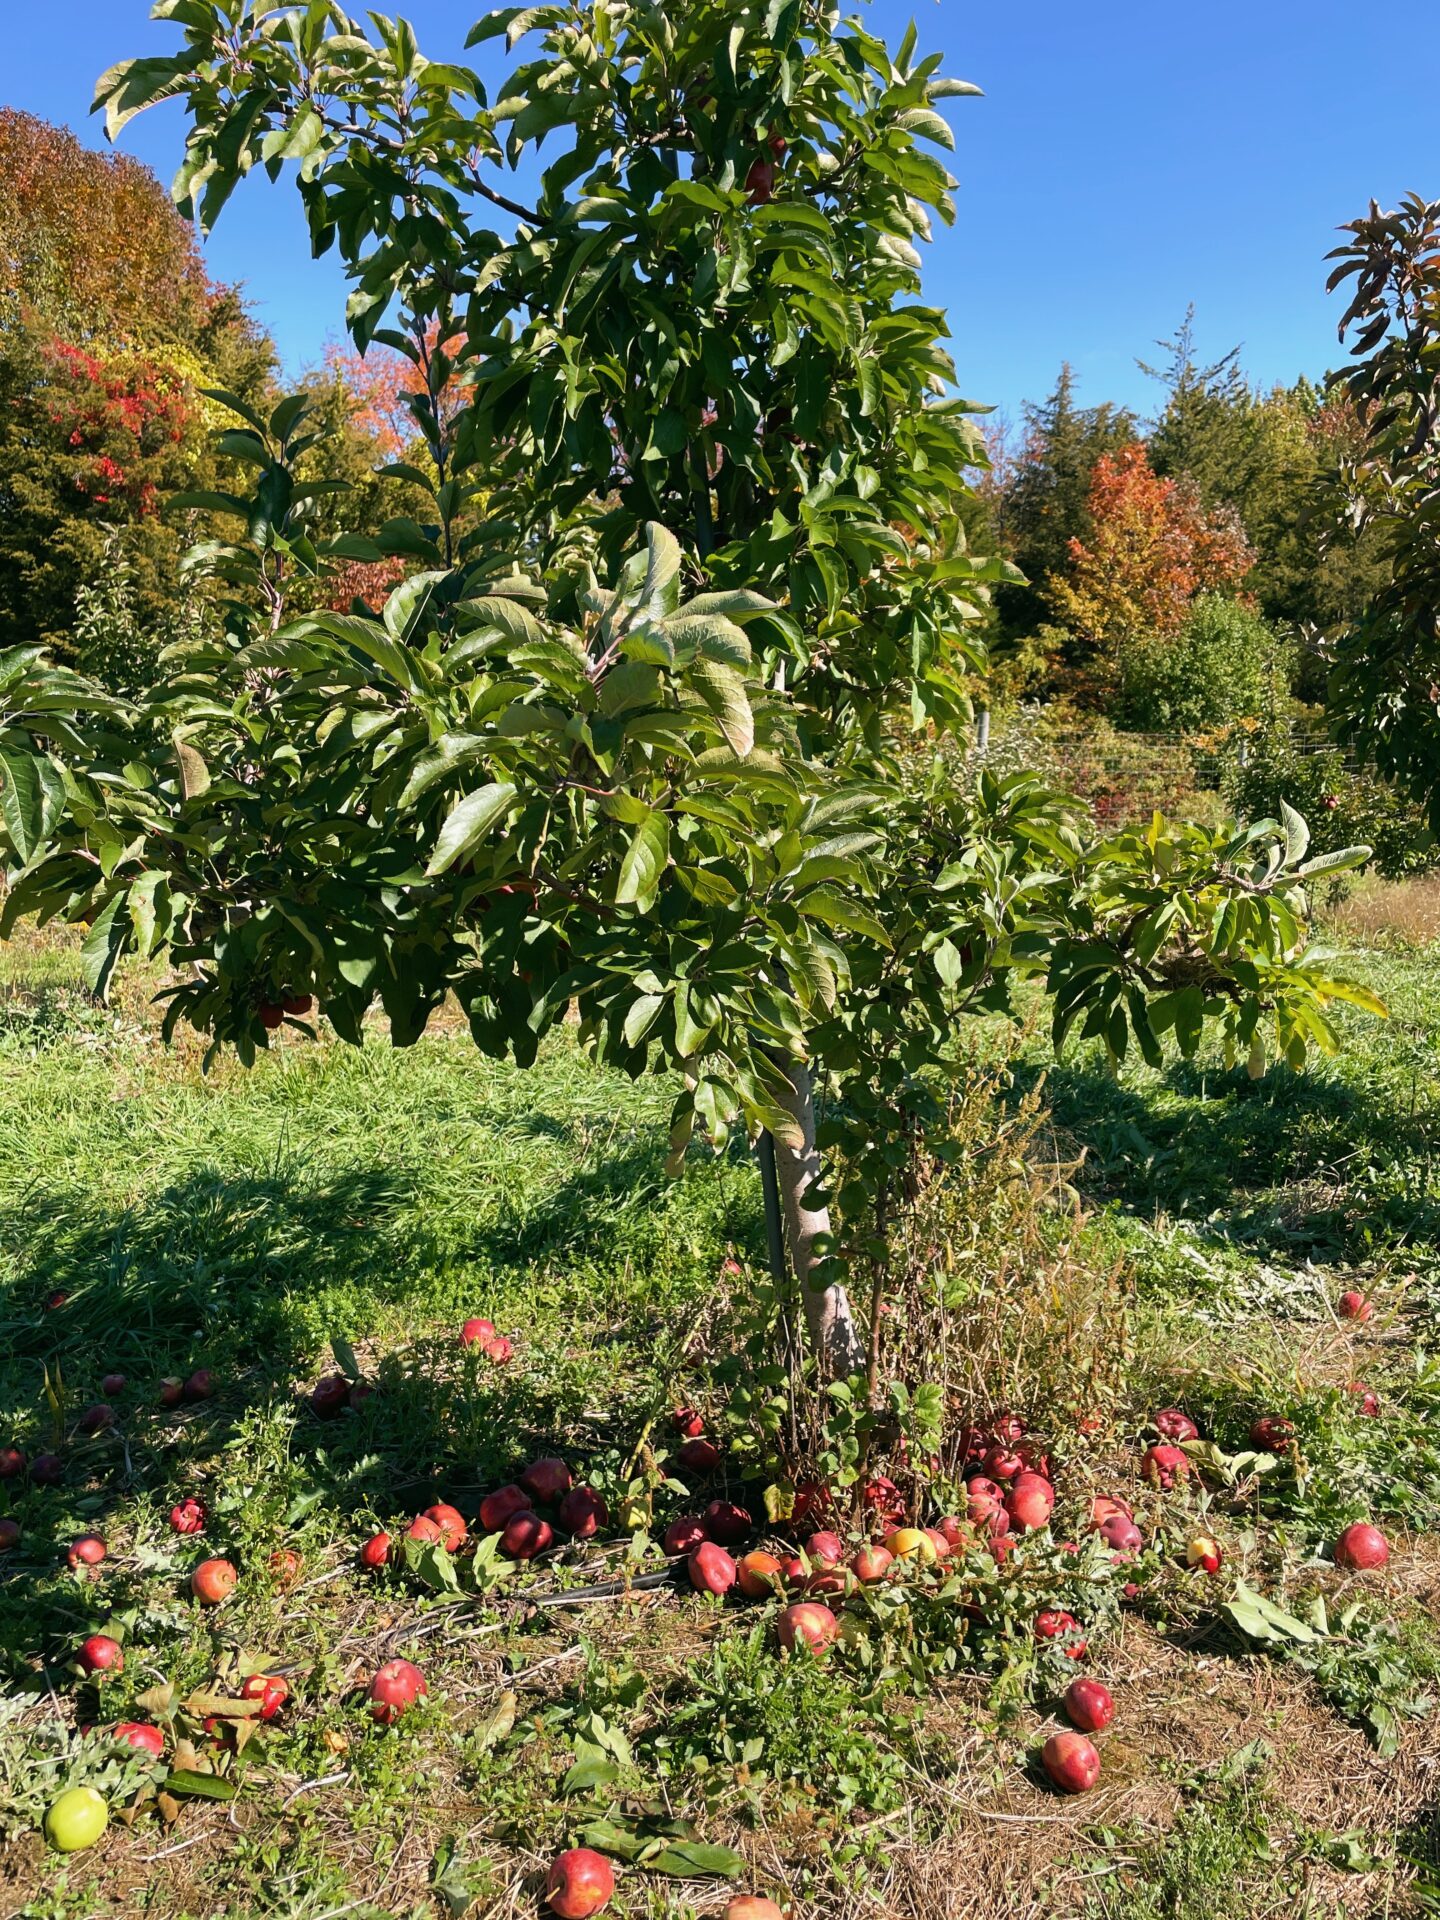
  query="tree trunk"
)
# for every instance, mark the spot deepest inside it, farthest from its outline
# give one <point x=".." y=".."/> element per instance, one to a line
<point x="831" y="1325"/>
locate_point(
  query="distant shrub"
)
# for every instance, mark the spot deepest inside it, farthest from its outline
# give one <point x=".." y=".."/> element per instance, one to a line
<point x="1225" y="664"/>
<point x="1342" y="808"/>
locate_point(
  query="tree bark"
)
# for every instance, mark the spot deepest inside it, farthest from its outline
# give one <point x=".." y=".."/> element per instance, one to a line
<point x="831" y="1325"/>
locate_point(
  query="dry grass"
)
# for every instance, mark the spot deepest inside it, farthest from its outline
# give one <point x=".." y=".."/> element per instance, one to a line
<point x="1383" y="912"/>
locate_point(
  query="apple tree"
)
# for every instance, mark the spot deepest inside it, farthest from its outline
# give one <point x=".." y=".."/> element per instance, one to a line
<point x="664" y="725"/>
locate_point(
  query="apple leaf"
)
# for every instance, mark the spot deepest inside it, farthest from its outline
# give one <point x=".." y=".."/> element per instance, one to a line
<point x="689" y="1860"/>
<point x="345" y="1357"/>
<point x="204" y="1786"/>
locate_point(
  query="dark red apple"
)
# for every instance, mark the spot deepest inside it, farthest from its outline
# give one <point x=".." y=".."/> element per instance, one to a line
<point x="1030" y="1502"/>
<point x="272" y="1015"/>
<point x="1089" y="1705"/>
<point x="1055" y="1624"/>
<point x="825" y="1549"/>
<point x="329" y="1397"/>
<point x="711" y="1569"/>
<point x="760" y="182"/>
<point x="583" y="1513"/>
<point x="1120" y="1532"/>
<point x="725" y="1523"/>
<point x="579" y="1883"/>
<point x="394" y="1690"/>
<point x="97" y="1419"/>
<point x="189" y="1515"/>
<point x="684" y="1533"/>
<point x="47" y="1470"/>
<point x="501" y="1506"/>
<point x="9" y="1535"/>
<point x="699" y="1456"/>
<point x="688" y="1423"/>
<point x="1071" y="1762"/>
<point x="200" y="1385"/>
<point x="113" y="1385"/>
<point x="1003" y="1463"/>
<point x="547" y="1480"/>
<point x="1163" y="1466"/>
<point x="526" y="1535"/>
<point x="1271" y="1434"/>
<point x="88" y="1551"/>
<point x="172" y="1391"/>
<point x="297" y="1005"/>
<point x="1173" y="1425"/>
<point x="982" y="1498"/>
<point x="12" y="1463"/>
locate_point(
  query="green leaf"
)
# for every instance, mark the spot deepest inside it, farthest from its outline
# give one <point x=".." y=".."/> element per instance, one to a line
<point x="1297" y="834"/>
<point x="20" y="800"/>
<point x="644" y="862"/>
<point x="725" y="693"/>
<point x="200" y="1786"/>
<point x="467" y="824"/>
<point x="662" y="571"/>
<point x="691" y="1860"/>
<point x="104" y="944"/>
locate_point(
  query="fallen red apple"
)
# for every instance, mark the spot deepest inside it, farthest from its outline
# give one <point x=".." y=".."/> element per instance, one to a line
<point x="88" y="1551"/>
<point x="579" y="1883"/>
<point x="272" y="1690"/>
<point x="1120" y="1533"/>
<point x="362" y="1391"/>
<point x="213" y="1581"/>
<point x="189" y="1515"/>
<point x="329" y="1397"/>
<point x="825" y="1549"/>
<point x="56" y="1300"/>
<point x="9" y="1535"/>
<point x="711" y="1569"/>
<point x="1030" y="1502"/>
<point x="939" y="1541"/>
<point x="113" y="1385"/>
<point x="1164" y="1466"/>
<point x="726" y="1524"/>
<point x="98" y="1418"/>
<point x="451" y="1523"/>
<point x="1367" y="1401"/>
<point x="1203" y="1553"/>
<point x="793" y="1572"/>
<point x="1173" y="1425"/>
<point x="12" y="1463"/>
<point x="752" y="1906"/>
<point x="1071" y="1762"/>
<point x="1354" y="1306"/>
<point x="498" y="1350"/>
<point x="583" y="1513"/>
<point x="1003" y="1463"/>
<point x="1000" y="1546"/>
<point x="284" y="1565"/>
<point x="871" y="1564"/>
<point x="1007" y="1430"/>
<point x="758" y="1574"/>
<point x="200" y="1385"/>
<point x="172" y="1391"/>
<point x="1106" y="1504"/>
<point x="547" y="1480"/>
<point x="525" y="1535"/>
<point x="1054" y="1623"/>
<point x="1361" y="1547"/>
<point x="699" y="1456"/>
<point x="1089" y="1705"/>
<point x="101" y="1654"/>
<point x="1034" y="1457"/>
<point x="396" y="1687"/>
<point x="141" y="1736"/>
<point x="688" y="1423"/>
<point x="47" y="1470"/>
<point x="683" y="1534"/>
<point x="1271" y="1433"/>
<point x="425" y="1531"/>
<point x="957" y="1532"/>
<point x="475" y="1333"/>
<point x="500" y="1507"/>
<point x="982" y="1498"/>
<point x="807" y="1623"/>
<point x="376" y="1550"/>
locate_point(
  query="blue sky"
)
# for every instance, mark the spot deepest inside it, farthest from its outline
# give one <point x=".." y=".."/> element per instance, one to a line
<point x="1129" y="157"/>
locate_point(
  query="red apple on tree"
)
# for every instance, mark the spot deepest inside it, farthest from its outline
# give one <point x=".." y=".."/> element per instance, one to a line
<point x="579" y="1883"/>
<point x="394" y="1690"/>
<point x="760" y="182"/>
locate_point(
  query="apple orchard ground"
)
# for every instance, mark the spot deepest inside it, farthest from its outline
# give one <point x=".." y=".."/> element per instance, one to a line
<point x="241" y="1221"/>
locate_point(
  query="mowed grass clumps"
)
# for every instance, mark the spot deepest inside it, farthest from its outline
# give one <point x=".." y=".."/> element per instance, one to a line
<point x="334" y="1210"/>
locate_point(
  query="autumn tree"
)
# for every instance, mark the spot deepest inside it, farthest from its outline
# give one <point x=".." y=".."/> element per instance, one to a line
<point x="1153" y="547"/>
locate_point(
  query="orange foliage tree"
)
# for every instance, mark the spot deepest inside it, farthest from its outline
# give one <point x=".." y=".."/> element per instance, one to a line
<point x="1152" y="549"/>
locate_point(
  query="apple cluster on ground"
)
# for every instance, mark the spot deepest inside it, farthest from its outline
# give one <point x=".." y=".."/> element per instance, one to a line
<point x="820" y="1582"/>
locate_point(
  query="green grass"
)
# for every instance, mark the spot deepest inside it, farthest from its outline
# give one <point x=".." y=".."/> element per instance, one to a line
<point x="243" y="1222"/>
